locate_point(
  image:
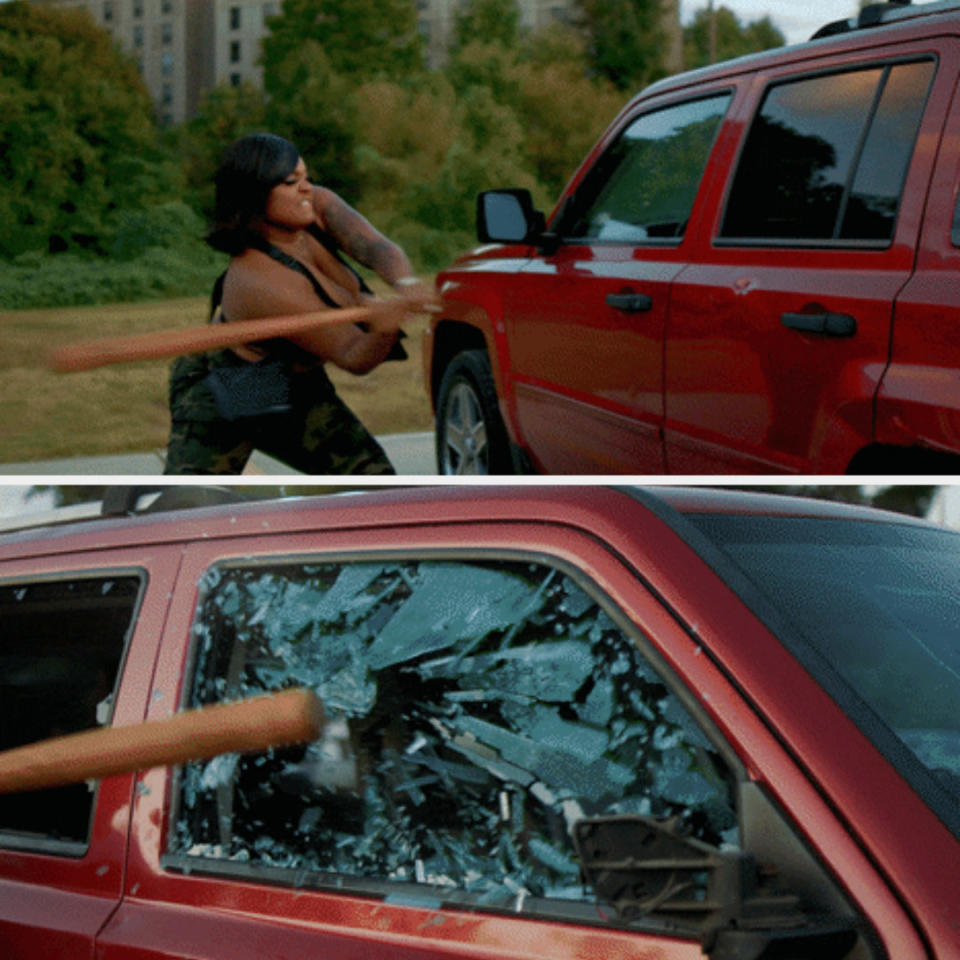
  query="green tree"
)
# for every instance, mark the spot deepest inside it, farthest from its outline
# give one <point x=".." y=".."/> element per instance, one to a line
<point x="317" y="111"/>
<point x="487" y="65"/>
<point x="547" y="68"/>
<point x="624" y="40"/>
<point x="485" y="153"/>
<point x="405" y="134"/>
<point x="225" y="114"/>
<point x="554" y="69"/>
<point x="362" y="39"/>
<point x="315" y="56"/>
<point x="78" y="141"/>
<point x="732" y="38"/>
<point x="494" y="22"/>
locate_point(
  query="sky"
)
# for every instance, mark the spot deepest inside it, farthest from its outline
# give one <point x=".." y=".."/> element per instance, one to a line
<point x="797" y="20"/>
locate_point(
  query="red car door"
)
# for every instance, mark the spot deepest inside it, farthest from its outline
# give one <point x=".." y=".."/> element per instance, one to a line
<point x="585" y="324"/>
<point x="919" y="401"/>
<point x="223" y="886"/>
<point x="67" y="626"/>
<point x="779" y="335"/>
<point x="489" y="682"/>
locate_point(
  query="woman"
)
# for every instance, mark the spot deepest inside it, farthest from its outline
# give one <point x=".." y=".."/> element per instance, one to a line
<point x="283" y="235"/>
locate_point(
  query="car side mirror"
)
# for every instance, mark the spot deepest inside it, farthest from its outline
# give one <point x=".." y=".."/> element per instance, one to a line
<point x="508" y="216"/>
<point x="649" y="870"/>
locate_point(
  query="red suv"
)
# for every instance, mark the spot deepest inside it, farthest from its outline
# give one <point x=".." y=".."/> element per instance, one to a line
<point x="562" y="723"/>
<point x="754" y="271"/>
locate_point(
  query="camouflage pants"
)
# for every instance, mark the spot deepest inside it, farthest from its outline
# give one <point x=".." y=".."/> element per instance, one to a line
<point x="320" y="435"/>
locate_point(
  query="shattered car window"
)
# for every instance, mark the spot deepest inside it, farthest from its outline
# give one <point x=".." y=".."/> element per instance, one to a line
<point x="476" y="710"/>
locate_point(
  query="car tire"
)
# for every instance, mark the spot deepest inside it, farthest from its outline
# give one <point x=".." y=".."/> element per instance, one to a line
<point x="470" y="435"/>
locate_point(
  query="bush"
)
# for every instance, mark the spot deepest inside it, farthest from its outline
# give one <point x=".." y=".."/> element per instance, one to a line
<point x="34" y="281"/>
<point x="168" y="225"/>
<point x="429" y="248"/>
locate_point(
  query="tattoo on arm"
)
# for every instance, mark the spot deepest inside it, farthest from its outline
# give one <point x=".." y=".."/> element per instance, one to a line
<point x="362" y="241"/>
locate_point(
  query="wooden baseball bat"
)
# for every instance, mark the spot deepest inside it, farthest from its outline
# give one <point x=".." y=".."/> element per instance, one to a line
<point x="246" y="726"/>
<point x="88" y="354"/>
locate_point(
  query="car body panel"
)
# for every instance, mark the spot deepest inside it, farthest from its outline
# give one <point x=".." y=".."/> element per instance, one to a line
<point x="474" y="308"/>
<point x="747" y="394"/>
<point x="886" y="850"/>
<point x="66" y="900"/>
<point x="711" y="380"/>
<point x="919" y="399"/>
<point x="587" y="376"/>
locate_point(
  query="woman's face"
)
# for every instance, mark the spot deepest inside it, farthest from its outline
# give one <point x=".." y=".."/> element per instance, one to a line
<point x="290" y="203"/>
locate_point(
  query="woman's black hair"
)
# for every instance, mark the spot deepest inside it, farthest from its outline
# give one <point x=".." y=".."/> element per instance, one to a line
<point x="251" y="167"/>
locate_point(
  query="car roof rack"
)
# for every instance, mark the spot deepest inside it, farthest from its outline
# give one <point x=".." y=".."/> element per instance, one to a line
<point x="126" y="501"/>
<point x="879" y="14"/>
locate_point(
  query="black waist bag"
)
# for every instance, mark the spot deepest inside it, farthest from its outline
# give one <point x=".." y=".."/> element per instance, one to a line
<point x="251" y="390"/>
<point x="243" y="389"/>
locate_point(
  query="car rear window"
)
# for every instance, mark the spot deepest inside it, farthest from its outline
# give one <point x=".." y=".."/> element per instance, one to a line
<point x="879" y="605"/>
<point x="826" y="156"/>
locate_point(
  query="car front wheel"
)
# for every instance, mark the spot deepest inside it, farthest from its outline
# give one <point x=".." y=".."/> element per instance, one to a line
<point x="471" y="437"/>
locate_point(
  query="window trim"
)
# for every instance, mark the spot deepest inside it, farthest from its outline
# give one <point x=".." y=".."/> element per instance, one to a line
<point x="574" y="202"/>
<point x="884" y="63"/>
<point x="37" y="843"/>
<point x="408" y="892"/>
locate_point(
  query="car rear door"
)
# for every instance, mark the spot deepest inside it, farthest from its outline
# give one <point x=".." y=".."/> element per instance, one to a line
<point x="919" y="400"/>
<point x="585" y="321"/>
<point x="78" y="637"/>
<point x="778" y="337"/>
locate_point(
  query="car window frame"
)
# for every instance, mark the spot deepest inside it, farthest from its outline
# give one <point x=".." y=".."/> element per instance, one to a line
<point x="50" y="846"/>
<point x="791" y="75"/>
<point x="585" y="192"/>
<point x="410" y="893"/>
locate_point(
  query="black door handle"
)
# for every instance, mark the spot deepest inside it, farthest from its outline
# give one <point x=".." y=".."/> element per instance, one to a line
<point x="629" y="302"/>
<point x="829" y="324"/>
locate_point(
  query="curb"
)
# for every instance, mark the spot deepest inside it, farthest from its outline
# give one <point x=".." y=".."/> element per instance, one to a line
<point x="412" y="454"/>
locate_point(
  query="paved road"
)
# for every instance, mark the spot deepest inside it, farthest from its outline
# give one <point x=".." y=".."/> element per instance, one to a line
<point x="411" y="454"/>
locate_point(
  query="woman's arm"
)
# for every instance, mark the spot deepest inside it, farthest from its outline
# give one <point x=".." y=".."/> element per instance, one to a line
<point x="360" y="240"/>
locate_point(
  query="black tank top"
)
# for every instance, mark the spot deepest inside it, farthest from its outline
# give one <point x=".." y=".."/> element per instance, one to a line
<point x="284" y="347"/>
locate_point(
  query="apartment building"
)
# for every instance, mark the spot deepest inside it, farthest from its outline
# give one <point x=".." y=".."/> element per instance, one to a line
<point x="183" y="48"/>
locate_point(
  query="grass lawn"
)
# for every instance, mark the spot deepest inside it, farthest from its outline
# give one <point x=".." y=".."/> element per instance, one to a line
<point x="123" y="408"/>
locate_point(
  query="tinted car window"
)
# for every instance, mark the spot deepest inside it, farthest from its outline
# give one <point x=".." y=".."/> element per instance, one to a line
<point x="879" y="603"/>
<point x="61" y="642"/>
<point x="826" y="156"/>
<point x="643" y="188"/>
<point x="477" y="710"/>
